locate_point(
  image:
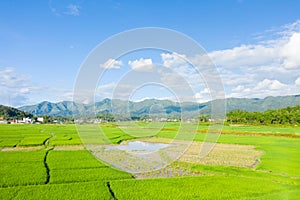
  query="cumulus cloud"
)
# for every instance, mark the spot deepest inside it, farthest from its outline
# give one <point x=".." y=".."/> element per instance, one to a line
<point x="112" y="64"/>
<point x="270" y="85"/>
<point x="245" y="55"/>
<point x="141" y="65"/>
<point x="297" y="81"/>
<point x="105" y="90"/>
<point x="173" y="59"/>
<point x="291" y="52"/>
<point x="203" y="96"/>
<point x="269" y="67"/>
<point x="18" y="90"/>
<point x="14" y="88"/>
<point x="181" y="69"/>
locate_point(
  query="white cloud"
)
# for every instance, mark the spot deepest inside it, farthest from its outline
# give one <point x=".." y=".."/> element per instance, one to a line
<point x="181" y="70"/>
<point x="18" y="90"/>
<point x="291" y="52"/>
<point x="266" y="68"/>
<point x="239" y="88"/>
<point x="171" y="98"/>
<point x="205" y="91"/>
<point x="73" y="9"/>
<point x="270" y="85"/>
<point x="141" y="65"/>
<point x="269" y="67"/>
<point x="297" y="81"/>
<point x="245" y="55"/>
<point x="65" y="7"/>
<point x="112" y="64"/>
<point x="173" y="60"/>
<point x="114" y="90"/>
<point x="105" y="91"/>
<point x="14" y="87"/>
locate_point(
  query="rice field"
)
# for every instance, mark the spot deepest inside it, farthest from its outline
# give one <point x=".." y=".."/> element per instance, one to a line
<point x="50" y="162"/>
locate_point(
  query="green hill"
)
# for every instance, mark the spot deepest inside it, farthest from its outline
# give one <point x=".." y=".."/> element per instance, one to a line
<point x="7" y="113"/>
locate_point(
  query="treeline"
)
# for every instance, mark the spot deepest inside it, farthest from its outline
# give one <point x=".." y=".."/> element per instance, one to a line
<point x="285" y="116"/>
<point x="109" y="117"/>
<point x="53" y="120"/>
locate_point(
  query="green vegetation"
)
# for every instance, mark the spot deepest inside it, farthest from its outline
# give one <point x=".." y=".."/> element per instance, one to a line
<point x="71" y="173"/>
<point x="106" y="117"/>
<point x="82" y="190"/>
<point x="207" y="187"/>
<point x="79" y="166"/>
<point x="23" y="173"/>
<point x="8" y="113"/>
<point x="22" y="135"/>
<point x="289" y="115"/>
<point x="17" y="168"/>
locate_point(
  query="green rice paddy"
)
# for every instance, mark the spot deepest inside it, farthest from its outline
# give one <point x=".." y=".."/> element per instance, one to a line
<point x="49" y="162"/>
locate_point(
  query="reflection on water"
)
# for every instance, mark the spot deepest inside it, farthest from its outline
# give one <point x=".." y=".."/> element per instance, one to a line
<point x="139" y="146"/>
<point x="138" y="156"/>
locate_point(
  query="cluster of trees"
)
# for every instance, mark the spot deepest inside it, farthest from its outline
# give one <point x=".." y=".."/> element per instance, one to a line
<point x="109" y="117"/>
<point x="50" y="120"/>
<point x="203" y="118"/>
<point x="289" y="115"/>
<point x="106" y="117"/>
<point x="8" y="113"/>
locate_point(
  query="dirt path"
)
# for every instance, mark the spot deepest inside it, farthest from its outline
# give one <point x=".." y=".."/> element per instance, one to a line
<point x="41" y="147"/>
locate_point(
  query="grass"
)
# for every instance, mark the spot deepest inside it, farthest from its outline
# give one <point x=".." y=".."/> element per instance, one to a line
<point x="20" y="157"/>
<point x="26" y="173"/>
<point x="87" y="190"/>
<point x="72" y="160"/>
<point x="33" y="141"/>
<point x="87" y="174"/>
<point x="80" y="166"/>
<point x="22" y="168"/>
<point x="8" y="142"/>
<point x="207" y="187"/>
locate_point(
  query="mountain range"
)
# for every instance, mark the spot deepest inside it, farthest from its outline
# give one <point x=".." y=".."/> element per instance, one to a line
<point x="158" y="107"/>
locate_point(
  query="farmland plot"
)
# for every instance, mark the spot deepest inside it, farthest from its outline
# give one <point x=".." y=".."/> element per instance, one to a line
<point x="60" y="169"/>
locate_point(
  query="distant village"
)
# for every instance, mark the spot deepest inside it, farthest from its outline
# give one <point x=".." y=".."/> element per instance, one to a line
<point x="25" y="120"/>
<point x="37" y="120"/>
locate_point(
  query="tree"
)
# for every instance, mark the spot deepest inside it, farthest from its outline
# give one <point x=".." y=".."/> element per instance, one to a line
<point x="203" y="118"/>
<point x="107" y="117"/>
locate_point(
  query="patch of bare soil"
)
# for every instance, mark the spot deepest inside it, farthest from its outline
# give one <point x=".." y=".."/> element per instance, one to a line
<point x="68" y="147"/>
<point x="35" y="148"/>
<point x="221" y="155"/>
<point x="29" y="148"/>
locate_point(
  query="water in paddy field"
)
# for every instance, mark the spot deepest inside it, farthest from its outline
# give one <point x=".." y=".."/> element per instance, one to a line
<point x="140" y="146"/>
<point x="138" y="156"/>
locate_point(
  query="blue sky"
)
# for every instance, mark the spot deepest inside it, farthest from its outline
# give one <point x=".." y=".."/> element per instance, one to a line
<point x="43" y="43"/>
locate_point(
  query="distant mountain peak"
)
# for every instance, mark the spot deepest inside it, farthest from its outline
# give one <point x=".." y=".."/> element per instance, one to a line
<point x="69" y="108"/>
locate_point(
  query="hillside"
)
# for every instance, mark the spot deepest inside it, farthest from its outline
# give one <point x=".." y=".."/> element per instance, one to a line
<point x="159" y="107"/>
<point x="7" y="113"/>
